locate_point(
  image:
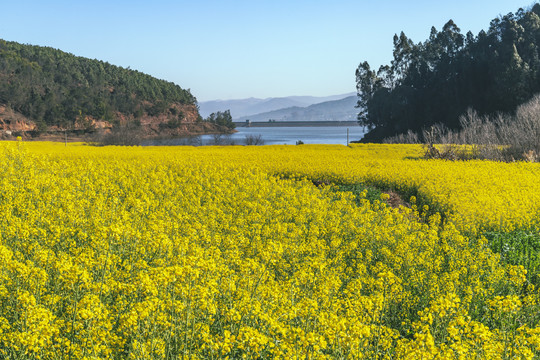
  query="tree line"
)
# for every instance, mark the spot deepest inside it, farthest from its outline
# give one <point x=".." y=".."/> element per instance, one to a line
<point x="222" y="119"/>
<point x="438" y="80"/>
<point x="52" y="87"/>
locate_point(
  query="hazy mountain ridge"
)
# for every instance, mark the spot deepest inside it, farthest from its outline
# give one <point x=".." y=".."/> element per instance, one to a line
<point x="337" y="110"/>
<point x="251" y="106"/>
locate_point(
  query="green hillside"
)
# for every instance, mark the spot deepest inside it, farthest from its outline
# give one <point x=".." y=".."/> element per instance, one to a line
<point x="52" y="88"/>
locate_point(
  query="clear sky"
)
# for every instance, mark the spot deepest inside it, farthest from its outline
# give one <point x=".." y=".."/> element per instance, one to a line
<point x="238" y="49"/>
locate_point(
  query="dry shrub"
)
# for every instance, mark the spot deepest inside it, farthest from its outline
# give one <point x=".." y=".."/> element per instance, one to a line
<point x="121" y="135"/>
<point x="498" y="137"/>
<point x="522" y="135"/>
<point x="409" y="138"/>
<point x="254" y="139"/>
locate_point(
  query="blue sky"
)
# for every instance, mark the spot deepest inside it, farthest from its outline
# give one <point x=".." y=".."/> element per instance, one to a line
<point x="238" y="49"/>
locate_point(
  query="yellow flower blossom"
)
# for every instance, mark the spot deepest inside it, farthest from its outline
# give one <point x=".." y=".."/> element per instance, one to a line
<point x="233" y="252"/>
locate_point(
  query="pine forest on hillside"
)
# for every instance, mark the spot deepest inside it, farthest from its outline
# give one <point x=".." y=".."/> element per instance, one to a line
<point x="54" y="88"/>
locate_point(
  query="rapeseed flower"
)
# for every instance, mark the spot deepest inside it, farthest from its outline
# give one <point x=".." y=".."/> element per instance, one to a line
<point x="232" y="252"/>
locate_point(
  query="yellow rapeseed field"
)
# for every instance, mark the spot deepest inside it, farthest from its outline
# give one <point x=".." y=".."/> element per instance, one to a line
<point x="232" y="252"/>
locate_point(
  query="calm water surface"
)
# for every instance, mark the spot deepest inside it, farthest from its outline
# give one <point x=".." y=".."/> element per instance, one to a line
<point x="275" y="136"/>
<point x="290" y="135"/>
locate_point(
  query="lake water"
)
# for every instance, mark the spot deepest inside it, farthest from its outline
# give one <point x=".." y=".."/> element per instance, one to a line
<point x="290" y="135"/>
<point x="275" y="136"/>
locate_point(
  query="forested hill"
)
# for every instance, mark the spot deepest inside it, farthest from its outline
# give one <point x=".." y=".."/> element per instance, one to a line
<point x="49" y="88"/>
<point x="437" y="80"/>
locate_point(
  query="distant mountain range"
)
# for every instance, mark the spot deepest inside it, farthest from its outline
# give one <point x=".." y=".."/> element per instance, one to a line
<point x="289" y="107"/>
<point x="337" y="110"/>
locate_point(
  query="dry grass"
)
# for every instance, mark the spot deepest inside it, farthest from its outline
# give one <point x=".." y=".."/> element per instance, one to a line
<point x="499" y="137"/>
